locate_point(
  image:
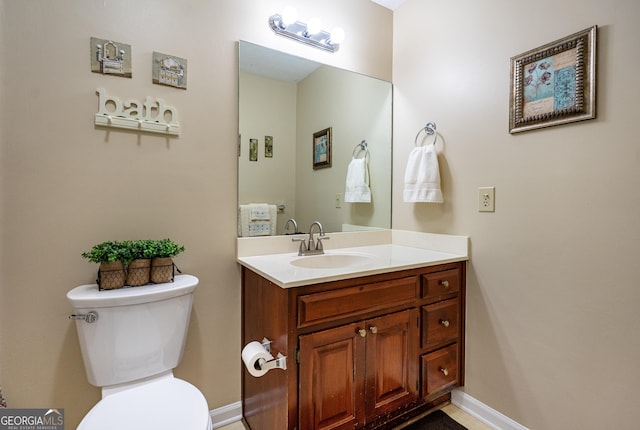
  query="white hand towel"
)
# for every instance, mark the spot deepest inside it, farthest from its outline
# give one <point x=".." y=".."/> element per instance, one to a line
<point x="357" y="184"/>
<point x="422" y="177"/>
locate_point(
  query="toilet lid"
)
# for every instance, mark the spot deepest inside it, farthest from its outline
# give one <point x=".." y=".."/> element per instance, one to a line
<point x="168" y="404"/>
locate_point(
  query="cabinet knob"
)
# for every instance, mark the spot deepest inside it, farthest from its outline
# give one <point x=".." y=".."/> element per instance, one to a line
<point x="444" y="284"/>
<point x="362" y="332"/>
<point x="444" y="371"/>
<point x="444" y="323"/>
<point x="373" y="329"/>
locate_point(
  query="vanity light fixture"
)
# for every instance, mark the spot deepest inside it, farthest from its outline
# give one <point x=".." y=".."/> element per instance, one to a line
<point x="287" y="25"/>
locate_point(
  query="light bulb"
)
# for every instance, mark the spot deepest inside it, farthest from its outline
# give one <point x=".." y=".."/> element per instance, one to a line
<point x="314" y="26"/>
<point x="289" y="15"/>
<point x="337" y="36"/>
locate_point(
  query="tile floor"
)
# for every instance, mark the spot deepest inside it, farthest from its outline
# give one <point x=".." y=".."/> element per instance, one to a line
<point x="457" y="414"/>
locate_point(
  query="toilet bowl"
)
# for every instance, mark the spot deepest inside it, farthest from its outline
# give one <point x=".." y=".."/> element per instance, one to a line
<point x="131" y="339"/>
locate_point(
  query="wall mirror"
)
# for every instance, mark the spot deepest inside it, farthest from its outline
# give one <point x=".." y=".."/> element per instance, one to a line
<point x="283" y="102"/>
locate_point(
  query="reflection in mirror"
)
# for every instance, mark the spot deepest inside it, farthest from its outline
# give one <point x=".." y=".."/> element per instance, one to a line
<point x="285" y="100"/>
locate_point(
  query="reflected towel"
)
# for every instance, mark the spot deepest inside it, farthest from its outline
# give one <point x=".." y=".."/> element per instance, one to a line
<point x="422" y="177"/>
<point x="259" y="211"/>
<point x="357" y="184"/>
<point x="249" y="228"/>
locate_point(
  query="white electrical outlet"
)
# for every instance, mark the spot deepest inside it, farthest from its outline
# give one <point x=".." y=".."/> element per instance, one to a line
<point x="486" y="199"/>
<point x="338" y="200"/>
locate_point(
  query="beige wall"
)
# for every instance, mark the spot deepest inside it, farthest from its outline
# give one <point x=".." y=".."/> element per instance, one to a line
<point x="67" y="185"/>
<point x="553" y="286"/>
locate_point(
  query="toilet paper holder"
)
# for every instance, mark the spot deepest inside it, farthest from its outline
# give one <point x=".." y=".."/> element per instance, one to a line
<point x="279" y="362"/>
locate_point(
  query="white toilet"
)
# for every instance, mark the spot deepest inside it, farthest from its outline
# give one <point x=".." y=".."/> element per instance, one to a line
<point x="131" y="340"/>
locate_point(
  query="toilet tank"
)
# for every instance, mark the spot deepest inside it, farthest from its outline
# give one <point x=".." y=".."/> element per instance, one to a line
<point x="140" y="331"/>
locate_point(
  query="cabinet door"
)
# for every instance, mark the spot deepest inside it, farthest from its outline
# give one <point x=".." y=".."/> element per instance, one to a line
<point x="332" y="378"/>
<point x="392" y="361"/>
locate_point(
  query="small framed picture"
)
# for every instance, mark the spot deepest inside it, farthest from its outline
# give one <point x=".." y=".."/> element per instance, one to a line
<point x="169" y="70"/>
<point x="268" y="146"/>
<point x="110" y="58"/>
<point x="322" y="149"/>
<point x="253" y="149"/>
<point x="555" y="83"/>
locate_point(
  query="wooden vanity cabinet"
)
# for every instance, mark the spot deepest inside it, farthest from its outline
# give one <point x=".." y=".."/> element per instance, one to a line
<point x="366" y="353"/>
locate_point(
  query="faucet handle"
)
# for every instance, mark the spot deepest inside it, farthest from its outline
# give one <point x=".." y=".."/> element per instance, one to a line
<point x="303" y="246"/>
<point x="319" y="246"/>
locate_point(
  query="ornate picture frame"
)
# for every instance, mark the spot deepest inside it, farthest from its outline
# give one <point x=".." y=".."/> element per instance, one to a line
<point x="321" y="150"/>
<point x="554" y="84"/>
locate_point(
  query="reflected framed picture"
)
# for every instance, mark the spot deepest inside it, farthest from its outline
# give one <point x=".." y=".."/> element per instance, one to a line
<point x="555" y="83"/>
<point x="253" y="149"/>
<point x="322" y="149"/>
<point x="268" y="146"/>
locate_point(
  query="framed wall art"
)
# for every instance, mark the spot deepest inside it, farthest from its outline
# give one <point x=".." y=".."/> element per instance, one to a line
<point x="169" y="70"/>
<point x="110" y="58"/>
<point x="253" y="149"/>
<point x="322" y="149"/>
<point x="555" y="83"/>
<point x="268" y="146"/>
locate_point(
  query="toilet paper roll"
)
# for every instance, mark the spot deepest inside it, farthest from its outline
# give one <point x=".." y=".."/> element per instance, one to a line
<point x="252" y="353"/>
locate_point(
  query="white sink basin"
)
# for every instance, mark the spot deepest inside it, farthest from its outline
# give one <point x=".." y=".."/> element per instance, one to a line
<point x="332" y="261"/>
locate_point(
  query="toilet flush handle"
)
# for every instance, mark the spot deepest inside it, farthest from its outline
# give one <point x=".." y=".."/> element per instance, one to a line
<point x="90" y="317"/>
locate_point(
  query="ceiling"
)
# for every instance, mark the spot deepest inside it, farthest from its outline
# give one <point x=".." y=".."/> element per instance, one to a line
<point x="389" y="4"/>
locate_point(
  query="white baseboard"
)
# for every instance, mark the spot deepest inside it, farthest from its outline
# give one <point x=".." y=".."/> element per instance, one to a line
<point x="226" y="415"/>
<point x="232" y="413"/>
<point x="482" y="412"/>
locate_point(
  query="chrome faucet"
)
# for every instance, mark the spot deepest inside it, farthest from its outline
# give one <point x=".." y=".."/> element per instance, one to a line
<point x="312" y="247"/>
<point x="295" y="226"/>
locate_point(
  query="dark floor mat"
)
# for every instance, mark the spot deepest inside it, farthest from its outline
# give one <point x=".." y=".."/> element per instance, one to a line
<point x="436" y="420"/>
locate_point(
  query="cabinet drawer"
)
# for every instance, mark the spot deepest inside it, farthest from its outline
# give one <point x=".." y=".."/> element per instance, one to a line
<point x="440" y="322"/>
<point x="438" y="284"/>
<point x="439" y="370"/>
<point x="345" y="302"/>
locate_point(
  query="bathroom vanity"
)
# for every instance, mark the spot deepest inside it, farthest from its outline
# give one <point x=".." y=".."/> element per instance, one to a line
<point x="369" y="342"/>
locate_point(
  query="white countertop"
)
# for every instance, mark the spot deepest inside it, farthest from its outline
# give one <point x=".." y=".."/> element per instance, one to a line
<point x="392" y="251"/>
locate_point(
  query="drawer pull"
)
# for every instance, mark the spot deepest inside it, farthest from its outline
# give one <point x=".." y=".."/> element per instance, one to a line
<point x="444" y="284"/>
<point x="444" y="371"/>
<point x="362" y="332"/>
<point x="373" y="329"/>
<point x="444" y="323"/>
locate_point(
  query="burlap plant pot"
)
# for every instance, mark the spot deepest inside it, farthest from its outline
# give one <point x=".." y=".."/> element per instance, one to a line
<point x="111" y="275"/>
<point x="161" y="270"/>
<point x="138" y="272"/>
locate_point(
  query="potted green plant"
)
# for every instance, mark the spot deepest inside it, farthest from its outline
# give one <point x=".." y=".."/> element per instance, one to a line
<point x="110" y="256"/>
<point x="138" y="260"/>
<point x="162" y="262"/>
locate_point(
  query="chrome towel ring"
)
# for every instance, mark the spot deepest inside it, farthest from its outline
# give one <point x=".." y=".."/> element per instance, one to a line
<point x="430" y="130"/>
<point x="362" y="146"/>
